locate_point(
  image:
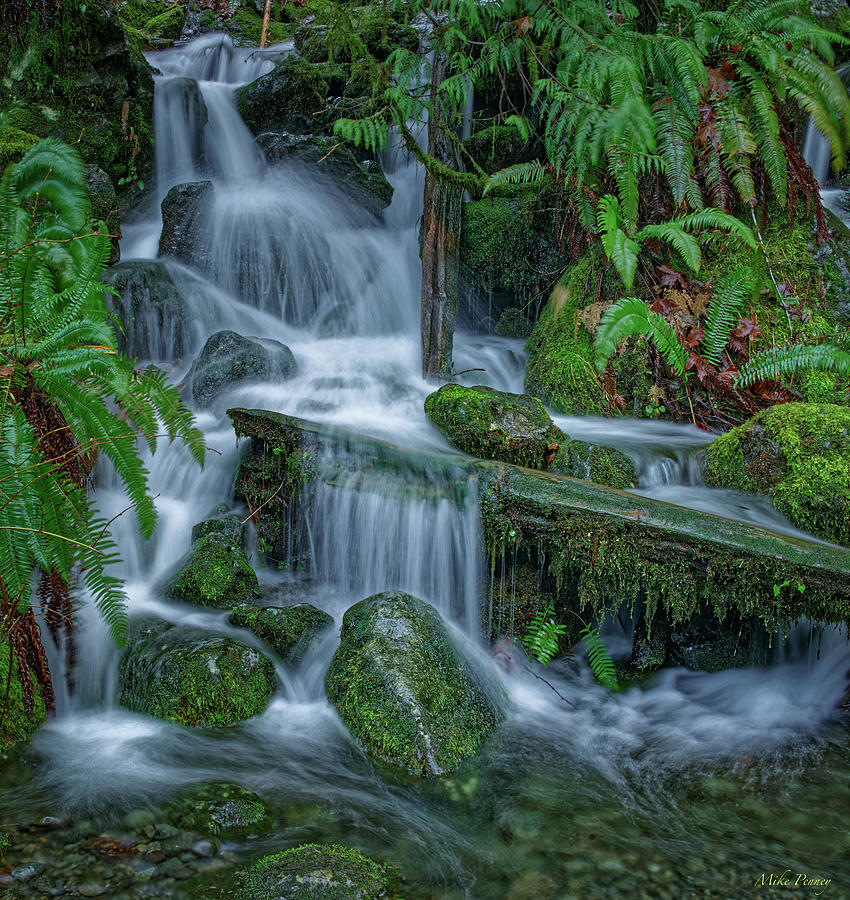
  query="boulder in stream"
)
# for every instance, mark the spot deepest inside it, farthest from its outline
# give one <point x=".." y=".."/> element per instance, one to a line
<point x="183" y="222"/>
<point x="217" y="573"/>
<point x="289" y="630"/>
<point x="799" y="455"/>
<point x="313" y="872"/>
<point x="286" y="99"/>
<point x="229" y="359"/>
<point x="192" y="676"/>
<point x="403" y="688"/>
<point x="218" y="808"/>
<point x="229" y="524"/>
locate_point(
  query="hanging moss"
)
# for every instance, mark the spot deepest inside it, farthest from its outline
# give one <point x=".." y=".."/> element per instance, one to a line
<point x="15" y="724"/>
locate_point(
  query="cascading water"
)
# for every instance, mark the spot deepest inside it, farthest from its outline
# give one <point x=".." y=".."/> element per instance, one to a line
<point x="601" y="795"/>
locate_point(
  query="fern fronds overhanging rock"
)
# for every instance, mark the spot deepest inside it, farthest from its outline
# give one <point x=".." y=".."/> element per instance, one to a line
<point x="599" y="658"/>
<point x="631" y="316"/>
<point x="65" y="390"/>
<point x="541" y="640"/>
<point x="778" y="362"/>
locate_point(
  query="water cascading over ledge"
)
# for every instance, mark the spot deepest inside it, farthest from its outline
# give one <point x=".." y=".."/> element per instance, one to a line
<point x="585" y="546"/>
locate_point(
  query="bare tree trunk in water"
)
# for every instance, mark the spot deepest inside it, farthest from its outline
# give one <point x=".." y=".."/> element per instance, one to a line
<point x="440" y="250"/>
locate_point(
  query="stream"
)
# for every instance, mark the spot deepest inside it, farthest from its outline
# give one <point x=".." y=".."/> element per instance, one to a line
<point x="687" y="785"/>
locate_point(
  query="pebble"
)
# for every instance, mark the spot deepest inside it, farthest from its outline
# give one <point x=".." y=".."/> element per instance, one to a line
<point x="91" y="889"/>
<point x="52" y="822"/>
<point x="204" y="849"/>
<point x="27" y="871"/>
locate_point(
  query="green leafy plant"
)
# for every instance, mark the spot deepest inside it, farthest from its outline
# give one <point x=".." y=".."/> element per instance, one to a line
<point x="777" y="362"/>
<point x="66" y="394"/>
<point x="599" y="658"/>
<point x="541" y="640"/>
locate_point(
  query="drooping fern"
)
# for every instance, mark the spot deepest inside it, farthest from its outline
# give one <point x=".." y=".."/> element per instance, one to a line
<point x="541" y="640"/>
<point x="782" y="361"/>
<point x="730" y="294"/>
<point x="599" y="658"/>
<point x="631" y="316"/>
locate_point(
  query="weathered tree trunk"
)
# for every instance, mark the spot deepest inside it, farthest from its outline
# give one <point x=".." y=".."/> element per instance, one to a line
<point x="265" y="31"/>
<point x="440" y="250"/>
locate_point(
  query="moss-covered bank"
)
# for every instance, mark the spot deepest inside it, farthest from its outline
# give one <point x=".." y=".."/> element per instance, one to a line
<point x="15" y="723"/>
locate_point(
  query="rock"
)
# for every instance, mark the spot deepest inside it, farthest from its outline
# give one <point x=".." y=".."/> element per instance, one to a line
<point x="498" y="147"/>
<point x="205" y="849"/>
<point x="91" y="889"/>
<point x="183" y="221"/>
<point x="513" y="324"/>
<point x="27" y="872"/>
<point x="703" y="644"/>
<point x="228" y="360"/>
<point x="191" y="676"/>
<point x="799" y="455"/>
<point x="167" y="25"/>
<point x="404" y="690"/>
<point x="153" y="313"/>
<point x="218" y="808"/>
<point x="285" y="99"/>
<point x="217" y="573"/>
<point x="590" y="462"/>
<point x="231" y="526"/>
<point x="14" y="144"/>
<point x="184" y="95"/>
<point x="289" y="630"/>
<point x="313" y="872"/>
<point x="493" y="424"/>
<point x="362" y="179"/>
<point x="104" y="206"/>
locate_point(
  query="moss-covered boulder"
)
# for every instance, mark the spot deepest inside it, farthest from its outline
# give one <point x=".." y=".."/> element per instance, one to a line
<point x="229" y="360"/>
<point x="229" y="525"/>
<point x="16" y="723"/>
<point x="217" y="573"/>
<point x="219" y="808"/>
<point x="183" y="221"/>
<point x="168" y="25"/>
<point x="308" y="872"/>
<point x="154" y="316"/>
<point x="591" y="462"/>
<point x="493" y="424"/>
<point x="799" y="455"/>
<point x="191" y="676"/>
<point x="289" y="630"/>
<point x="404" y="690"/>
<point x="513" y="323"/>
<point x="14" y="143"/>
<point x="286" y="99"/>
<point x="359" y="177"/>
<point x="497" y="147"/>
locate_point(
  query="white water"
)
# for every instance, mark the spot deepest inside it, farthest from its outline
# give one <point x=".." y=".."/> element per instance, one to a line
<point x="368" y="534"/>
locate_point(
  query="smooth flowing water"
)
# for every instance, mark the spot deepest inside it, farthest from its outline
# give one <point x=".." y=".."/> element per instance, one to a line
<point x="689" y="785"/>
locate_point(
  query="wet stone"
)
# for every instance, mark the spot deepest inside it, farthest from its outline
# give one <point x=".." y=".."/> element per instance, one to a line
<point x="27" y="872"/>
<point x="92" y="889"/>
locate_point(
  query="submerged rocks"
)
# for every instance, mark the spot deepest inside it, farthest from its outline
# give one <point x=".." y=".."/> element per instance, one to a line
<point x="516" y="428"/>
<point x="182" y="221"/>
<point x="494" y="424"/>
<point x="289" y="630"/>
<point x="403" y="689"/>
<point x="153" y="313"/>
<point x="228" y="359"/>
<point x="191" y="676"/>
<point x="286" y="99"/>
<point x="218" y="808"/>
<point x="217" y="573"/>
<point x="799" y="455"/>
<point x="313" y="872"/>
<point x="361" y="179"/>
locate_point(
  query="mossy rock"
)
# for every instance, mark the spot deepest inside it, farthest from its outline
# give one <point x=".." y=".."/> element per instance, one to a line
<point x="799" y="455"/>
<point x="497" y="147"/>
<point x="513" y="323"/>
<point x="217" y="573"/>
<point x="191" y="676"/>
<point x="229" y="360"/>
<point x="285" y="99"/>
<point x="493" y="424"/>
<point x="290" y="631"/>
<point x="104" y="206"/>
<point x="308" y="872"/>
<point x="16" y="724"/>
<point x="167" y="25"/>
<point x="14" y="144"/>
<point x="229" y="526"/>
<point x="591" y="462"/>
<point x="402" y="688"/>
<point x="219" y="808"/>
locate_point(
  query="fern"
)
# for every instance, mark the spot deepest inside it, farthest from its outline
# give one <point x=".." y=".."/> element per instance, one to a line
<point x="631" y="316"/>
<point x="724" y="311"/>
<point x="599" y="658"/>
<point x="521" y="173"/>
<point x="541" y="641"/>
<point x="781" y="361"/>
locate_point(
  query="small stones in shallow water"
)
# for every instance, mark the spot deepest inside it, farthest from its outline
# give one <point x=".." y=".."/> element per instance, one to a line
<point x="27" y="872"/>
<point x="218" y="808"/>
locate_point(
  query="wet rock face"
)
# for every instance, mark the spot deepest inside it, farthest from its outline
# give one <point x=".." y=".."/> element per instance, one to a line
<point x="291" y="631"/>
<point x="191" y="676"/>
<point x="219" y="808"/>
<point x="228" y="360"/>
<point x="404" y="690"/>
<point x="153" y="313"/>
<point x="230" y="525"/>
<point x="285" y="99"/>
<point x="182" y="221"/>
<point x="104" y="206"/>
<point x="799" y="455"/>
<point x="601" y="465"/>
<point x="217" y="573"/>
<point x="360" y="178"/>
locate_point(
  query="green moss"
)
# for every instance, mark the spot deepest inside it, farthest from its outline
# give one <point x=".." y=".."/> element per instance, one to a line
<point x="14" y="143"/>
<point x="402" y="688"/>
<point x="193" y="677"/>
<point x="219" y="808"/>
<point x="168" y="25"/>
<point x="136" y="13"/>
<point x="513" y="323"/>
<point x="16" y="725"/>
<point x="217" y="574"/>
<point x="798" y="454"/>
<point x="286" y="99"/>
<point x="497" y="147"/>
<point x="493" y="424"/>
<point x="249" y="23"/>
<point x="602" y="465"/>
<point x="289" y="630"/>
